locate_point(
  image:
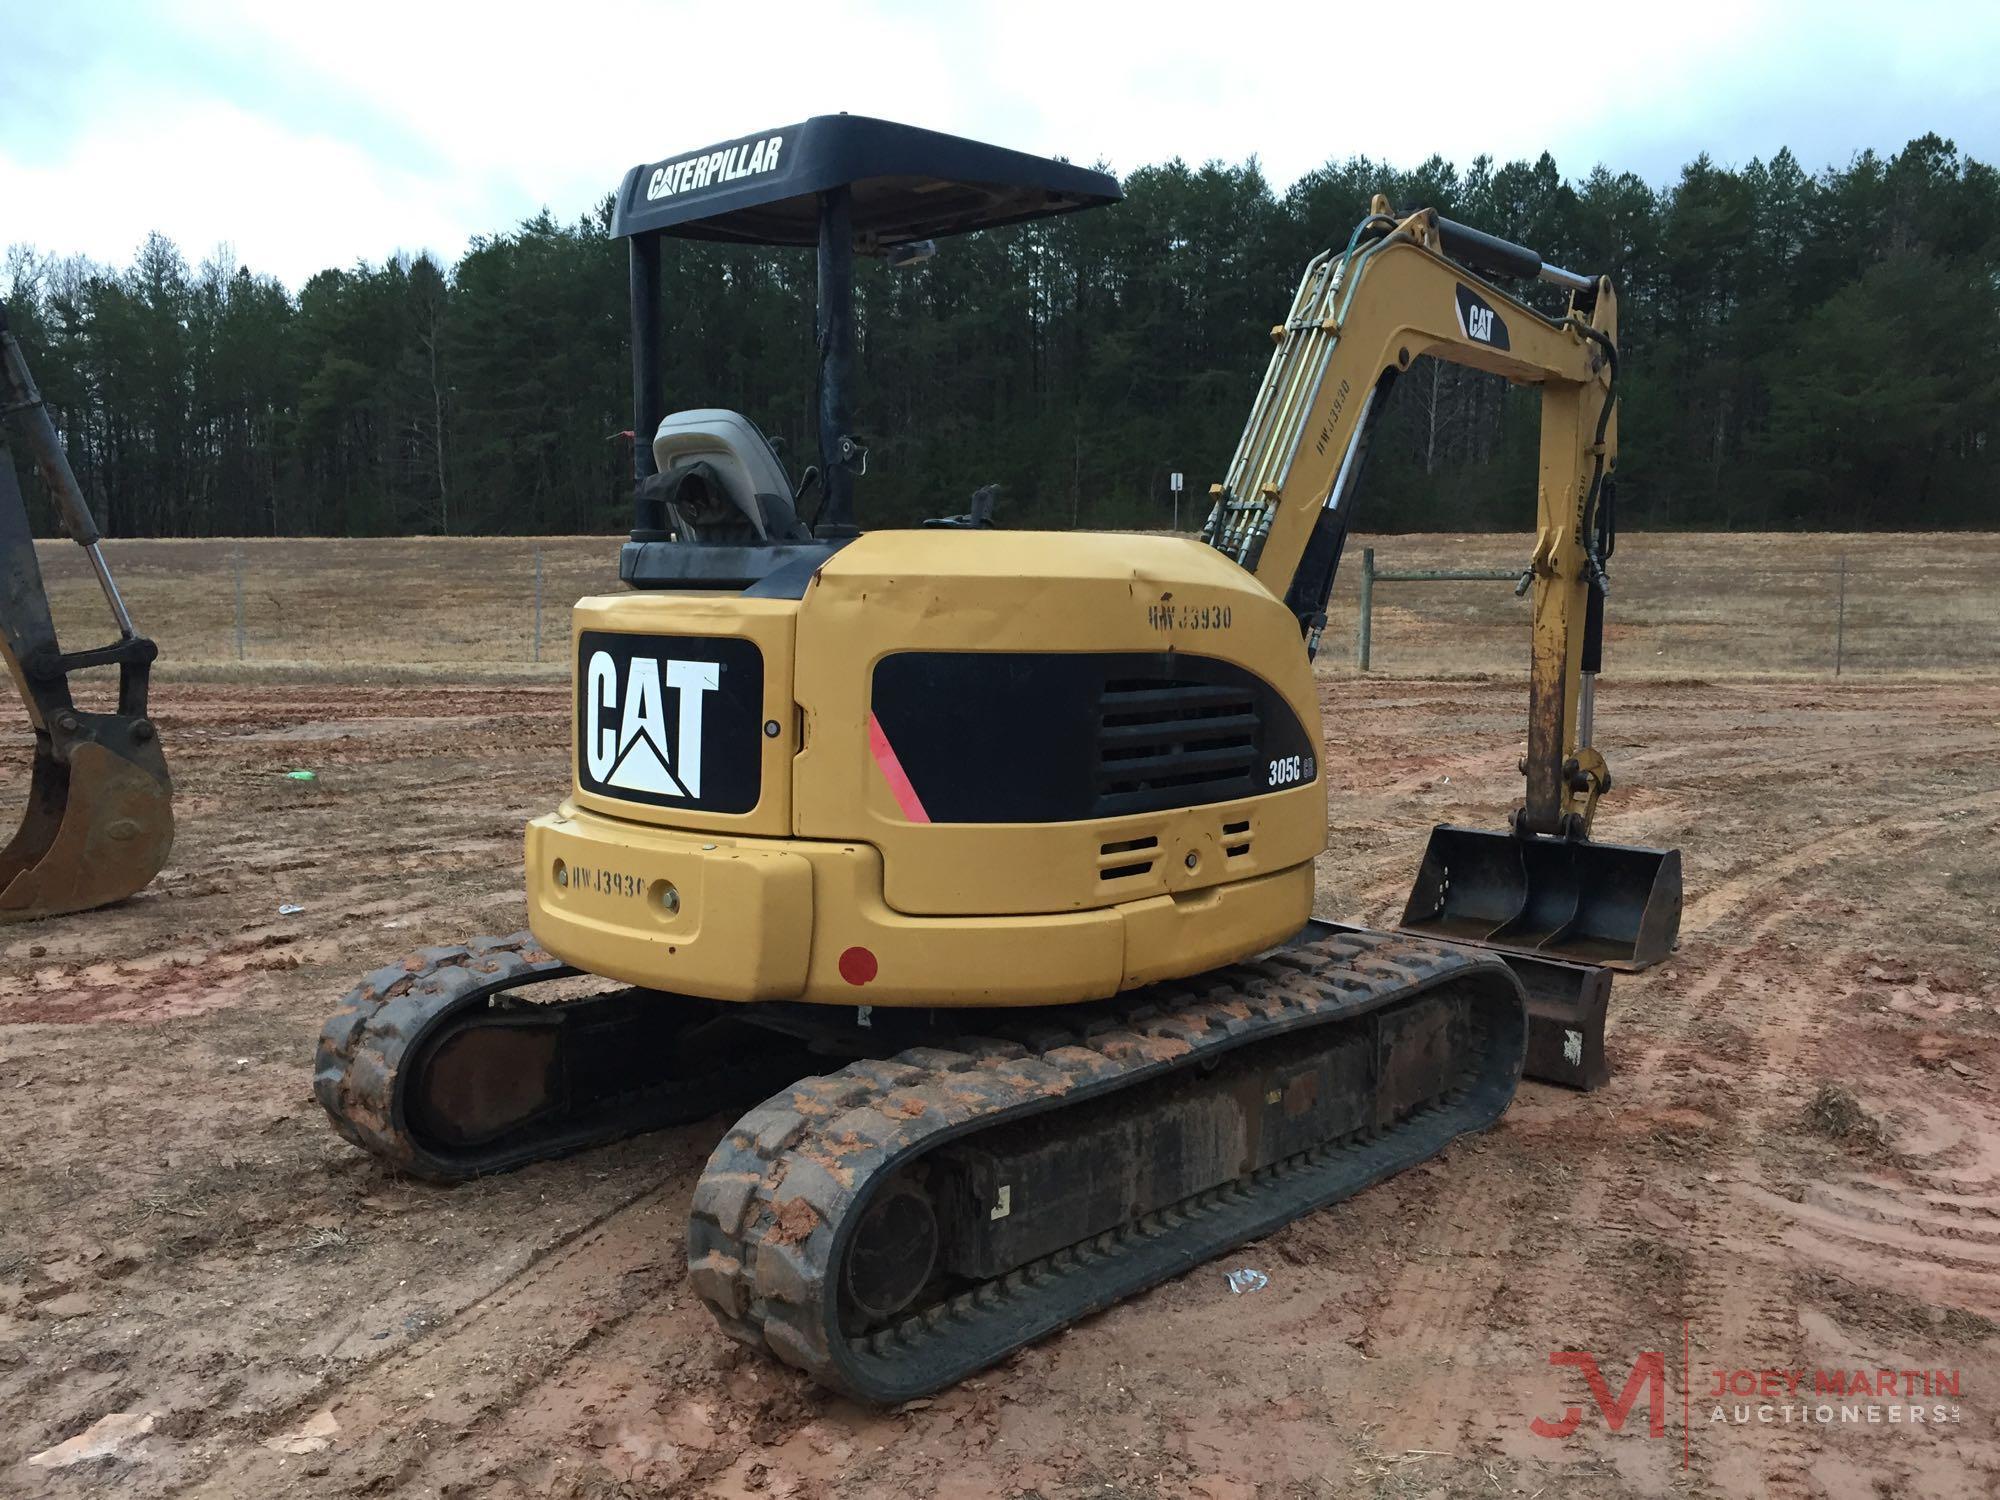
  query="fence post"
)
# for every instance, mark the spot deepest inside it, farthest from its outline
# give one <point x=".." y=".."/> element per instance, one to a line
<point x="538" y="604"/>
<point x="1840" y="619"/>
<point x="236" y="558"/>
<point x="1367" y="605"/>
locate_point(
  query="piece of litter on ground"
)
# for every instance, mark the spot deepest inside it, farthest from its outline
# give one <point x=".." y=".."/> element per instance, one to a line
<point x="1247" y="1280"/>
<point x="289" y="910"/>
<point x="314" y="1436"/>
<point x="302" y="776"/>
<point x="107" y="1437"/>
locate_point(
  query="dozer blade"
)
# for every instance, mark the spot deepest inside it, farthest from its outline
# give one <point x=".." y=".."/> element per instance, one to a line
<point x="96" y="829"/>
<point x="1617" y="906"/>
<point x="1566" y="1009"/>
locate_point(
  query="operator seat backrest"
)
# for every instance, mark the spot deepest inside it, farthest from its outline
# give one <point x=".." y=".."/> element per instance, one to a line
<point x="732" y="444"/>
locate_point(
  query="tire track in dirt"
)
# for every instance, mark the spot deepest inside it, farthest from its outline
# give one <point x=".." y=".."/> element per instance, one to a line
<point x="1479" y="1402"/>
<point x="1743" y="1301"/>
<point x="1739" y="1285"/>
<point x="1740" y="1308"/>
<point x="1707" y="910"/>
<point x="1779" y="757"/>
<point x="1429" y="1306"/>
<point x="1740" y="1280"/>
<point x="1384" y="892"/>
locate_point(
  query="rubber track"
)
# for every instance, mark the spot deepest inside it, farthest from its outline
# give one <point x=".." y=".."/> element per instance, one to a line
<point x="385" y="1021"/>
<point x="364" y="1042"/>
<point x="777" y="1202"/>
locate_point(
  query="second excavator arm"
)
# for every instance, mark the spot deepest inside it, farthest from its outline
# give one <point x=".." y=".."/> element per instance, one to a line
<point x="99" y="821"/>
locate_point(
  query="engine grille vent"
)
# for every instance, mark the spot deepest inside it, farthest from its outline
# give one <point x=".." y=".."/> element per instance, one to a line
<point x="1126" y="857"/>
<point x="1162" y="742"/>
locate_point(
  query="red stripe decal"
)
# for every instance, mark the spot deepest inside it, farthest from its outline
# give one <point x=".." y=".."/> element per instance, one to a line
<point x="893" y="773"/>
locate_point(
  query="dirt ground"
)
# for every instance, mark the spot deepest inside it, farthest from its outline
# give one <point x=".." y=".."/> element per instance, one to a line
<point x="1796" y="1166"/>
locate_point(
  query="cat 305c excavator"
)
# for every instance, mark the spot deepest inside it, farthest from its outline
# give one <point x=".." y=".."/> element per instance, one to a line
<point x="99" y="820"/>
<point x="992" y="852"/>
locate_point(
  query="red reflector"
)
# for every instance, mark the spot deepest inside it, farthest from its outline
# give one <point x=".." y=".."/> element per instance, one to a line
<point x="857" y="966"/>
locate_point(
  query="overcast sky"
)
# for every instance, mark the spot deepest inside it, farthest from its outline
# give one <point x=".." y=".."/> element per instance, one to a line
<point x="305" y="135"/>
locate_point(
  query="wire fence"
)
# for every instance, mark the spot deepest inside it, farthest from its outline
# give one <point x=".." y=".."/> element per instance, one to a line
<point x="1804" y="604"/>
<point x="1711" y="604"/>
<point x="1372" y="575"/>
<point x="498" y="604"/>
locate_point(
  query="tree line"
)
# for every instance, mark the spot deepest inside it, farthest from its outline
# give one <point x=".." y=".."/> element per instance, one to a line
<point x="1798" y="350"/>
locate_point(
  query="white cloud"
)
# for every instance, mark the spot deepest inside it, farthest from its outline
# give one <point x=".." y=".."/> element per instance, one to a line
<point x="205" y="173"/>
<point x="310" y="135"/>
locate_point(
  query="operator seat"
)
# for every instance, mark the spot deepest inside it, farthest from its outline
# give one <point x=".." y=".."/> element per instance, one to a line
<point x="719" y="480"/>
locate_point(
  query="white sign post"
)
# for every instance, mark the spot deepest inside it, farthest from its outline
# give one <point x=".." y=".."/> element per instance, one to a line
<point x="1176" y="485"/>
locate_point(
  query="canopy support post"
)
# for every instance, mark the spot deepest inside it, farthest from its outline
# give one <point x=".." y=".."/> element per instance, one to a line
<point x="648" y="398"/>
<point x="839" y="455"/>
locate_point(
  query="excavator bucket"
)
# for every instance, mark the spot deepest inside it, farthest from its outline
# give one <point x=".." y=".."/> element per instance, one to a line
<point x="98" y="824"/>
<point x="1563" y="913"/>
<point x="99" y="821"/>
<point x="1616" y="906"/>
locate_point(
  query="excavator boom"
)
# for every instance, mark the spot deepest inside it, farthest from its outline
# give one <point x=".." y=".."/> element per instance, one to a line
<point x="99" y="820"/>
<point x="1404" y="288"/>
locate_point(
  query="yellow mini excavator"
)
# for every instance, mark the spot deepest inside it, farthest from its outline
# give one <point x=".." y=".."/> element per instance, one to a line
<point x="992" y="852"/>
<point x="99" y="820"/>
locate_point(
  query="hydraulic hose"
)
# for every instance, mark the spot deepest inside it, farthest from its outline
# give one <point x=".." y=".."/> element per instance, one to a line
<point x="1600" y="535"/>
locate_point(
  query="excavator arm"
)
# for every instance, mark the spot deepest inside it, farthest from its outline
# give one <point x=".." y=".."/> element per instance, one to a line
<point x="1360" y="318"/>
<point x="1561" y="908"/>
<point x="99" y="820"/>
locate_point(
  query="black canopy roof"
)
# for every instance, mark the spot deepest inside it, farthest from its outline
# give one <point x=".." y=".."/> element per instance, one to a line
<point x="908" y="184"/>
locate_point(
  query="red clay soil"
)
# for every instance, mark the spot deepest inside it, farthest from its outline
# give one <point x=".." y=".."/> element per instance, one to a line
<point x="1795" y="1168"/>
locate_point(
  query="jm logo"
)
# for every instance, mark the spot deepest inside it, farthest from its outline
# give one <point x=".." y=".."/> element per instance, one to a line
<point x="1648" y="1379"/>
<point x="625" y="739"/>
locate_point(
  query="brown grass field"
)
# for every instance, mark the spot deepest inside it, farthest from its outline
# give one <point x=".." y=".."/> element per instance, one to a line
<point x="1795" y="1167"/>
<point x="1717" y="605"/>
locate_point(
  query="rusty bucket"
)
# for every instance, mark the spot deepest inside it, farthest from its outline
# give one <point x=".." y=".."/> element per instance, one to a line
<point x="99" y="821"/>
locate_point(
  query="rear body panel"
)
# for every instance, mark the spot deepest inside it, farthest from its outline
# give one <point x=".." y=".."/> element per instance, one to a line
<point x="622" y="719"/>
<point x="806" y="919"/>
<point x="910" y="761"/>
<point x="1148" y="600"/>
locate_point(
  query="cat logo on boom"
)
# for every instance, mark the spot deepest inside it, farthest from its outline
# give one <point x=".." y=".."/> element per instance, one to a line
<point x="669" y="720"/>
<point x="1478" y="321"/>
